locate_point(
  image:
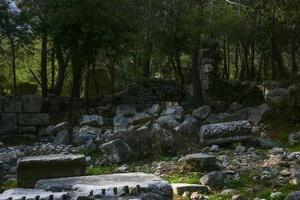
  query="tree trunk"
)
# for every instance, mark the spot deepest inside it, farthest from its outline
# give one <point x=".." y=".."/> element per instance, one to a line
<point x="294" y="59"/>
<point x="77" y="68"/>
<point x="147" y="58"/>
<point x="13" y="63"/>
<point x="236" y="61"/>
<point x="62" y="67"/>
<point x="196" y="82"/>
<point x="52" y="69"/>
<point x="44" y="65"/>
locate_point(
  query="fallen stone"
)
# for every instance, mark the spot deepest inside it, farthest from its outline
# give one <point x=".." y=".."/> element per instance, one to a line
<point x="200" y="162"/>
<point x="180" y="188"/>
<point x="278" y="98"/>
<point x="235" y="107"/>
<point x="62" y="137"/>
<point x="214" y="180"/>
<point x="226" y="132"/>
<point x="140" y="118"/>
<point x="167" y="121"/>
<point x="294" y="138"/>
<point x="113" y="185"/>
<point x="117" y="151"/>
<point x="175" y="111"/>
<point x="91" y="120"/>
<point x="32" y="194"/>
<point x="125" y="110"/>
<point x="260" y="114"/>
<point x="61" y="126"/>
<point x="84" y="134"/>
<point x="155" y="110"/>
<point x="32" y="169"/>
<point x="293" y="196"/>
<point x="202" y="112"/>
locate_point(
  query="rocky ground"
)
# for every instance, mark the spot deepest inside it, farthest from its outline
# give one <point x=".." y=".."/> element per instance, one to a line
<point x="205" y="153"/>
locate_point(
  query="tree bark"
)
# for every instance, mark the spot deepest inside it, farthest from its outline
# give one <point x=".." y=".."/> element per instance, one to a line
<point x="13" y="63"/>
<point x="77" y="69"/>
<point x="62" y="67"/>
<point x="44" y="65"/>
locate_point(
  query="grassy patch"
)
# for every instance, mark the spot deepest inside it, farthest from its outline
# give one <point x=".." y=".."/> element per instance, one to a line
<point x="99" y="170"/>
<point x="192" y="178"/>
<point x="9" y="184"/>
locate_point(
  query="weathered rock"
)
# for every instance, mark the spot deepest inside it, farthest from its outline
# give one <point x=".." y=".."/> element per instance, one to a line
<point x="176" y="112"/>
<point x="140" y="118"/>
<point x="294" y="138"/>
<point x="91" y="120"/>
<point x="129" y="184"/>
<point x="32" y="103"/>
<point x="125" y="110"/>
<point x="61" y="126"/>
<point x="260" y="114"/>
<point x="293" y="196"/>
<point x="214" y="180"/>
<point x="180" y="188"/>
<point x="202" y="112"/>
<point x="117" y="151"/>
<point x="85" y="134"/>
<point x="167" y="121"/>
<point x="225" y="132"/>
<point x="8" y="158"/>
<point x="36" y="119"/>
<point x="240" y="149"/>
<point x="32" y="194"/>
<point x="278" y="98"/>
<point x="32" y="169"/>
<point x="200" y="162"/>
<point x="187" y="127"/>
<point x="155" y="110"/>
<point x="62" y="137"/>
<point x="235" y="107"/>
<point x="12" y="104"/>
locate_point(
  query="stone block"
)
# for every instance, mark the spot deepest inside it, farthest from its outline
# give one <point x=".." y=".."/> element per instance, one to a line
<point x="32" y="103"/>
<point x="32" y="169"/>
<point x="34" y="119"/>
<point x="228" y="132"/>
<point x="12" y="104"/>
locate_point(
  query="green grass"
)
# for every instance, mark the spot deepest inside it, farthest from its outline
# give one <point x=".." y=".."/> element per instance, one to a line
<point x="192" y="178"/>
<point x="10" y="184"/>
<point x="99" y="170"/>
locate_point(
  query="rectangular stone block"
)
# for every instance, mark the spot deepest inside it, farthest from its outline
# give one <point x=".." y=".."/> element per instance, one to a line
<point x="34" y="119"/>
<point x="32" y="169"/>
<point x="32" y="103"/>
<point x="12" y="104"/>
<point x="8" y="119"/>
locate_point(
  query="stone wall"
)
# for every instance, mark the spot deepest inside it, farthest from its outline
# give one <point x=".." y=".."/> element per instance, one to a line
<point x="151" y="91"/>
<point x="21" y="115"/>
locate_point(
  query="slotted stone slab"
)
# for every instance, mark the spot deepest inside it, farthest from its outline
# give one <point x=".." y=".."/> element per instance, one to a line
<point x="128" y="184"/>
<point x="32" y="169"/>
<point x="31" y="194"/>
